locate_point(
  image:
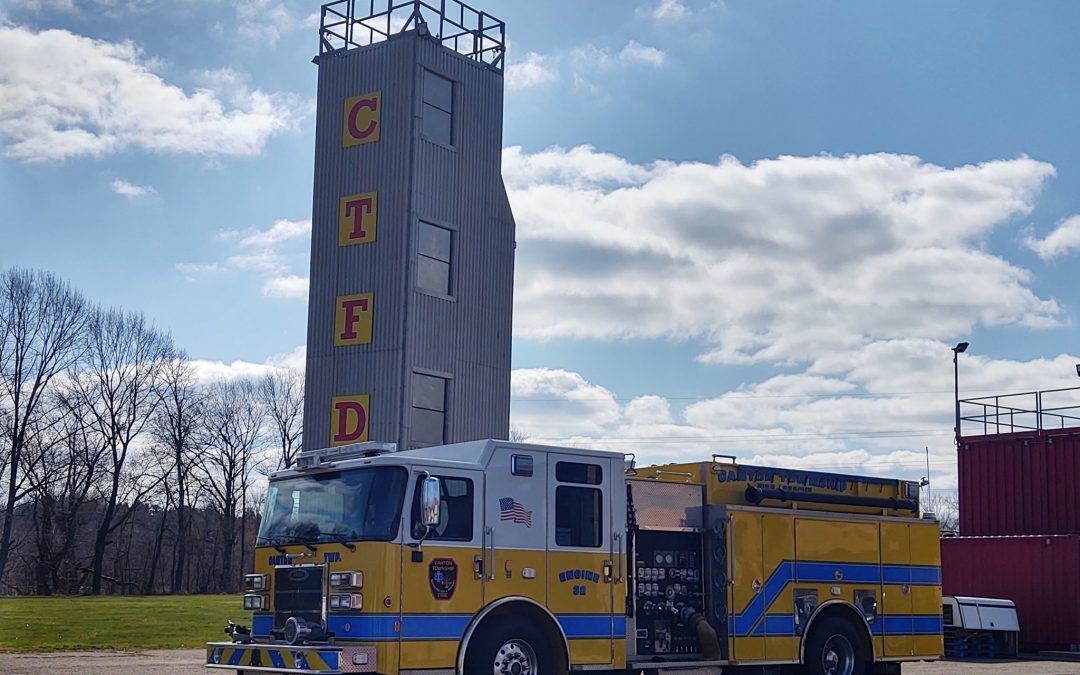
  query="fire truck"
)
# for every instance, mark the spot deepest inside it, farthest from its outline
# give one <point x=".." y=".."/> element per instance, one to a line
<point x="518" y="559"/>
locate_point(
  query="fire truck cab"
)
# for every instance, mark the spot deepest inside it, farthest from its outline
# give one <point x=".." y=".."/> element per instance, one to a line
<point x="519" y="559"/>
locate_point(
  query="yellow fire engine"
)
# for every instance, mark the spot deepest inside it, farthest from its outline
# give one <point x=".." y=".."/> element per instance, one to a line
<point x="517" y="559"/>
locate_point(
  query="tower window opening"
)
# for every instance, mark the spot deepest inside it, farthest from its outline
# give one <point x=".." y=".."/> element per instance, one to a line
<point x="438" y="113"/>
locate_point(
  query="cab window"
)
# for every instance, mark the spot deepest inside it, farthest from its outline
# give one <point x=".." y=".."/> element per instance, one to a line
<point x="455" y="511"/>
<point x="579" y="516"/>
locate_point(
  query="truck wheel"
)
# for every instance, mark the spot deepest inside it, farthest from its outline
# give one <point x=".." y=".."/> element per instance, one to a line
<point x="512" y="646"/>
<point x="835" y="647"/>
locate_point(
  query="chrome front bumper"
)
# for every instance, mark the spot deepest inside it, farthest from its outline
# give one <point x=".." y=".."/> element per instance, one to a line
<point x="285" y="658"/>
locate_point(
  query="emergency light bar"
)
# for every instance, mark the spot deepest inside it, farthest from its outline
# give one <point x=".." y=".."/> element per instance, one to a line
<point x="310" y="459"/>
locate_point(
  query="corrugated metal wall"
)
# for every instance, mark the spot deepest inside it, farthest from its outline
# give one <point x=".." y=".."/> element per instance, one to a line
<point x="1020" y="483"/>
<point x="467" y="337"/>
<point x="1041" y="574"/>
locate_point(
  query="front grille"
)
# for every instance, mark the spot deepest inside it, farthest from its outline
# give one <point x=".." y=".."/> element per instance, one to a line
<point x="298" y="591"/>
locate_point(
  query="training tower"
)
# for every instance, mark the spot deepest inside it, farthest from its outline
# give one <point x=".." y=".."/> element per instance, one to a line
<point x="412" y="245"/>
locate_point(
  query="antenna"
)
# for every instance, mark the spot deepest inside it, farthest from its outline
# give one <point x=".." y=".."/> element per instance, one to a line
<point x="926" y="481"/>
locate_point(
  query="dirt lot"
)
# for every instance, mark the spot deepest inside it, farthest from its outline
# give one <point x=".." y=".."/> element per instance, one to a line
<point x="189" y="662"/>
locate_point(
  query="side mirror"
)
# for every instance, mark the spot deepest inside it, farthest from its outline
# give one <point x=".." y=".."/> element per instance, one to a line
<point x="430" y="501"/>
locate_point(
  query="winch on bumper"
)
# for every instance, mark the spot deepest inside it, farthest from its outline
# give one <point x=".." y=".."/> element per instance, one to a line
<point x="280" y="657"/>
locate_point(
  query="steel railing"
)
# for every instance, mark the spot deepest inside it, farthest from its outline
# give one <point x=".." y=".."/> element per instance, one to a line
<point x="348" y="24"/>
<point x="1025" y="411"/>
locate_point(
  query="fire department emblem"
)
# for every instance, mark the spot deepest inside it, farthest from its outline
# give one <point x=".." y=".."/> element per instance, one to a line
<point x="442" y="576"/>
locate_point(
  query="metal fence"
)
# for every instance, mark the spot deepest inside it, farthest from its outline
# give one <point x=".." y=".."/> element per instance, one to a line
<point x="1026" y="411"/>
<point x="347" y="24"/>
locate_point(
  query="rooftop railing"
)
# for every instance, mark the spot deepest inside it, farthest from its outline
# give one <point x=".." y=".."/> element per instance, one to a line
<point x="1027" y="411"/>
<point x="348" y="24"/>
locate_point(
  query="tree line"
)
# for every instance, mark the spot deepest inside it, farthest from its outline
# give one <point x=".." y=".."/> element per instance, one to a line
<point x="121" y="471"/>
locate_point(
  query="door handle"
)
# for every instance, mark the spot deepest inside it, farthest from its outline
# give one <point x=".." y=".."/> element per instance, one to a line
<point x="490" y="532"/>
<point x="619" y="559"/>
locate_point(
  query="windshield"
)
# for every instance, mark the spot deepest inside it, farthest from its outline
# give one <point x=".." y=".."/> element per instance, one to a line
<point x="362" y="504"/>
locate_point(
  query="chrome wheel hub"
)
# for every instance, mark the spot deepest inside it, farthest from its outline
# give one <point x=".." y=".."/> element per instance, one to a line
<point x="838" y="657"/>
<point x="515" y="657"/>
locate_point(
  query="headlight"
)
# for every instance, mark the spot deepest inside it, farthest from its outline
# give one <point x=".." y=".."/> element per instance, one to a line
<point x="256" y="582"/>
<point x="347" y="601"/>
<point x="253" y="602"/>
<point x="347" y="580"/>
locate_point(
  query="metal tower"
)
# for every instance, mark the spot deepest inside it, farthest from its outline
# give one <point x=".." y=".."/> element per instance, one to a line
<point x="412" y="247"/>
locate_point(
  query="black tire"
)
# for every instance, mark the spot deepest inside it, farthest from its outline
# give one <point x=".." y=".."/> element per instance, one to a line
<point x="836" y="647"/>
<point x="513" y="641"/>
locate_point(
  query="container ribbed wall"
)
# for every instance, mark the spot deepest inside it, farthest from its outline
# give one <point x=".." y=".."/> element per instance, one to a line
<point x="1041" y="574"/>
<point x="1020" y="483"/>
<point x="468" y="336"/>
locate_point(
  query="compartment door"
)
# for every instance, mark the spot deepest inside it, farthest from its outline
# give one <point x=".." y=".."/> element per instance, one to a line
<point x="747" y="602"/>
<point x="778" y="553"/>
<point x="894" y="611"/>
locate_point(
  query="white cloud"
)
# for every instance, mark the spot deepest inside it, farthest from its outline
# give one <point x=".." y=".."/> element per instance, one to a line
<point x="107" y="7"/>
<point x="192" y="270"/>
<point x="294" y="360"/>
<point x="280" y="232"/>
<point x="268" y="253"/>
<point x="876" y="413"/>
<point x="669" y="10"/>
<point x="777" y="261"/>
<point x="263" y="22"/>
<point x="635" y="52"/>
<point x="104" y="97"/>
<point x="132" y="191"/>
<point x="1065" y="238"/>
<point x="207" y="370"/>
<point x="540" y="393"/>
<point x="290" y="287"/>
<point x="533" y="71"/>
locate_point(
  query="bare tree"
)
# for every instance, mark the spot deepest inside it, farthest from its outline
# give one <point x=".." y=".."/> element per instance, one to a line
<point x="517" y="435"/>
<point x="119" y="389"/>
<point x="174" y="429"/>
<point x="946" y="507"/>
<point x="231" y="429"/>
<point x="282" y="393"/>
<point x="60" y="484"/>
<point x="42" y="334"/>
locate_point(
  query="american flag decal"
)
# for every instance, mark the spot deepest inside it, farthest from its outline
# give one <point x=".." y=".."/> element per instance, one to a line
<point x="510" y="509"/>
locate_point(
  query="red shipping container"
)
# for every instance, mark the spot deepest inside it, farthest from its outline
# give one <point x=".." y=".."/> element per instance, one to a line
<point x="1041" y="574"/>
<point x="1020" y="483"/>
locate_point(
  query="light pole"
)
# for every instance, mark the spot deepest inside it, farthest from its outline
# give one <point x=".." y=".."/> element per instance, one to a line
<point x="959" y="349"/>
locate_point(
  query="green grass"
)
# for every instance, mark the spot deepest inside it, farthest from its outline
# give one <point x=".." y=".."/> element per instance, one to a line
<point x="124" y="623"/>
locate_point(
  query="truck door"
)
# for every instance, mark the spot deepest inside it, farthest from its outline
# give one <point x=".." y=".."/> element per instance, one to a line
<point x="440" y="592"/>
<point x="747" y="602"/>
<point x="581" y="554"/>
<point x="515" y="522"/>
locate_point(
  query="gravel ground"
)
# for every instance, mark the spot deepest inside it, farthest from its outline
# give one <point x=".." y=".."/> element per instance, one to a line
<point x="189" y="662"/>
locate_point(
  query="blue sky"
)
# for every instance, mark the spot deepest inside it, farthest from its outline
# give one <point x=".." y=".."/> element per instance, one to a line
<point x="779" y="215"/>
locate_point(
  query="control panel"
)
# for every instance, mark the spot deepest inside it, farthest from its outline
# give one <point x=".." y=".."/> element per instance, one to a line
<point x="668" y="590"/>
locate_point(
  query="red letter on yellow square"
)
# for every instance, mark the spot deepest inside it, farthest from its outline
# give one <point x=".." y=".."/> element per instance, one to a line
<point x="362" y="119"/>
<point x="353" y="318"/>
<point x="357" y="216"/>
<point x="349" y="419"/>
